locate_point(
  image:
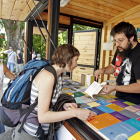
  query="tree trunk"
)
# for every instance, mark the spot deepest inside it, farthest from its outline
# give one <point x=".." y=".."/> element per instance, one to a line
<point x="14" y="32"/>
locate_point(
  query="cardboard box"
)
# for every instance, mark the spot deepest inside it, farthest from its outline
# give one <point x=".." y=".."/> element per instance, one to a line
<point x="87" y="80"/>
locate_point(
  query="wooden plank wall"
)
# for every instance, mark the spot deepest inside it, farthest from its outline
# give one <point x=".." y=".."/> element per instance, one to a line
<point x="132" y="16"/>
<point x="85" y="42"/>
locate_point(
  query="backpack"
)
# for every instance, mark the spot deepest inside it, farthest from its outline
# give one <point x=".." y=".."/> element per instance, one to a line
<point x="16" y="98"/>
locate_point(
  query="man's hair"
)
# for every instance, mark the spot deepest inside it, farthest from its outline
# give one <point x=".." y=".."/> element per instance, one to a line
<point x="126" y="28"/>
<point x="64" y="54"/>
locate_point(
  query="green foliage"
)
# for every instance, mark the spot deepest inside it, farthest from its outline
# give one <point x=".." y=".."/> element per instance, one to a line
<point x="3" y="42"/>
<point x="22" y="25"/>
<point x="3" y="45"/>
<point x="3" y="57"/>
<point x="39" y="45"/>
<point x="62" y="38"/>
<point x="1" y="24"/>
<point x="13" y="23"/>
<point x="77" y="27"/>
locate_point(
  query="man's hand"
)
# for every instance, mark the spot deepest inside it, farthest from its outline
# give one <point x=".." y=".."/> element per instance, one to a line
<point x="97" y="73"/>
<point x="107" y="89"/>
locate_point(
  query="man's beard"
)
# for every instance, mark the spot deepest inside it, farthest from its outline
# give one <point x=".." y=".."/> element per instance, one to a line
<point x="125" y="53"/>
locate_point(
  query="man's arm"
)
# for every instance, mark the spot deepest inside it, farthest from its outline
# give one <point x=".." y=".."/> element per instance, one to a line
<point x="7" y="73"/>
<point x="132" y="88"/>
<point x="6" y="52"/>
<point x="109" y="69"/>
<point x="106" y="70"/>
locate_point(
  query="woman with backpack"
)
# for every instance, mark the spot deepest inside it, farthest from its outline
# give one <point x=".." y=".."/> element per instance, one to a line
<point x="3" y="71"/>
<point x="64" y="59"/>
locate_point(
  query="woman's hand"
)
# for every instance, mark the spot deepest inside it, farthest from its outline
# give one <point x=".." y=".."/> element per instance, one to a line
<point x="84" y="114"/>
<point x="68" y="106"/>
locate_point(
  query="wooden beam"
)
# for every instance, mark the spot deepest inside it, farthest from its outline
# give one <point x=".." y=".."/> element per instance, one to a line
<point x="49" y="18"/>
<point x="36" y="31"/>
<point x="18" y="9"/>
<point x="82" y="14"/>
<point x="26" y="11"/>
<point x="62" y="19"/>
<point x="123" y="3"/>
<point x="107" y="4"/>
<point x="94" y="13"/>
<point x="90" y="8"/>
<point x="134" y="21"/>
<point x="123" y="15"/>
<point x="132" y="16"/>
<point x="85" y="22"/>
<point x="137" y="25"/>
<point x="137" y="1"/>
<point x="95" y="5"/>
<point x="88" y="11"/>
<point x="7" y="7"/>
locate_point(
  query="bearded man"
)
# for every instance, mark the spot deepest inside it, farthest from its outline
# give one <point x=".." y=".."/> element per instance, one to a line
<point x="125" y="64"/>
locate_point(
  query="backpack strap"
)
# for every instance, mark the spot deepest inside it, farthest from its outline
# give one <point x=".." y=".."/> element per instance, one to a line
<point x="52" y="70"/>
<point x="31" y="108"/>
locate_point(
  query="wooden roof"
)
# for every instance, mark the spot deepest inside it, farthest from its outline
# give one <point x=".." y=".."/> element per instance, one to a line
<point x="15" y="9"/>
<point x="97" y="10"/>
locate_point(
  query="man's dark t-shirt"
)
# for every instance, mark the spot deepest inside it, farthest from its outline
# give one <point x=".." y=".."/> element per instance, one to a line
<point x="20" y="61"/>
<point x="127" y="71"/>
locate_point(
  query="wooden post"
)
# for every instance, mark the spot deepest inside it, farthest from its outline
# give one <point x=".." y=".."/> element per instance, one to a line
<point x="25" y="47"/>
<point x="48" y="25"/>
<point x="102" y="53"/>
<point x="106" y="76"/>
<point x="29" y="40"/>
<point x="54" y="26"/>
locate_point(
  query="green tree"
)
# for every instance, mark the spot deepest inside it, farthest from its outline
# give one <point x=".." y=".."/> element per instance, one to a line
<point x="3" y="45"/>
<point x="3" y="42"/>
<point x="77" y="27"/>
<point x="39" y="45"/>
<point x="14" y="32"/>
<point x="62" y="38"/>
